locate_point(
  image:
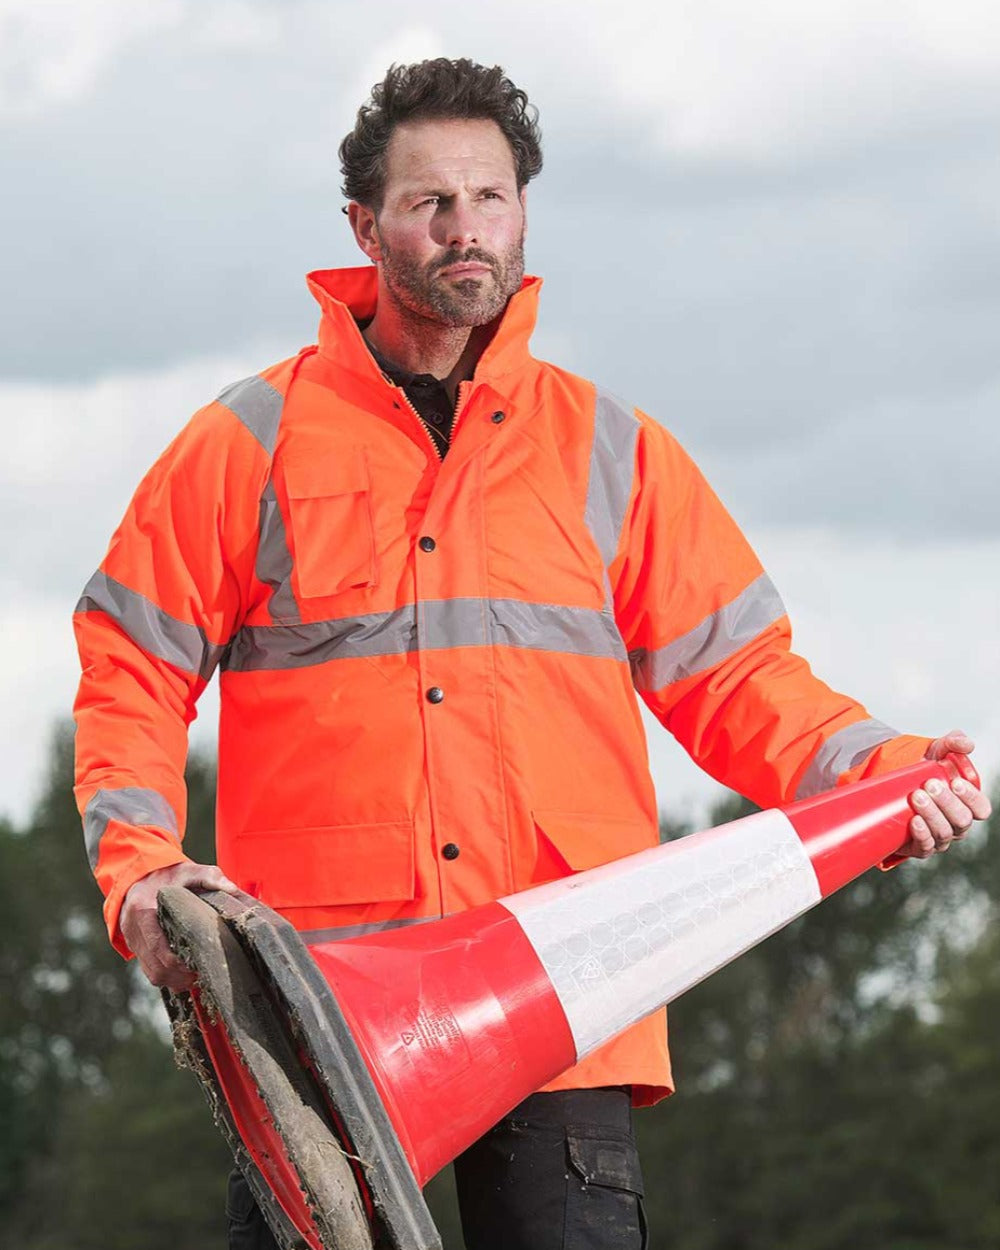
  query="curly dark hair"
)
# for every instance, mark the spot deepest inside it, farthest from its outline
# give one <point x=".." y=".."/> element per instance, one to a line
<point x="436" y="89"/>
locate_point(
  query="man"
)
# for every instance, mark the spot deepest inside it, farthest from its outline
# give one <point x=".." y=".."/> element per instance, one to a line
<point x="433" y="571"/>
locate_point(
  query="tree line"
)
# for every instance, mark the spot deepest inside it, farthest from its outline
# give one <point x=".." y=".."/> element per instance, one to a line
<point x="839" y="1086"/>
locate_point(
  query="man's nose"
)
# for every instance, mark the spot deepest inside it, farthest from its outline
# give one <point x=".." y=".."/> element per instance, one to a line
<point x="460" y="226"/>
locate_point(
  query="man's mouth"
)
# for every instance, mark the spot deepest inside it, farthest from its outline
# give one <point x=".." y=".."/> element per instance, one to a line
<point x="466" y="269"/>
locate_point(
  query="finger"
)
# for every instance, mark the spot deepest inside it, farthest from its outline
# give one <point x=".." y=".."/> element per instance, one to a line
<point x="166" y="971"/>
<point x="160" y="965"/>
<point x="149" y="944"/>
<point x="933" y="818"/>
<point x="957" y="740"/>
<point x="203" y="876"/>
<point x="921" y="843"/>
<point x="956" y="812"/>
<point x="975" y="800"/>
<point x="178" y="977"/>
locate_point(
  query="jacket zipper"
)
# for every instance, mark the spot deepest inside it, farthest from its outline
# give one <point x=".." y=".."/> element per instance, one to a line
<point x="426" y="428"/>
<point x="460" y="396"/>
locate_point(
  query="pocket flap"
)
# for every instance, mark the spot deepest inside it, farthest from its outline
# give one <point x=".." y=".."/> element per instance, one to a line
<point x="342" y="473"/>
<point x="329" y="865"/>
<point x="585" y="840"/>
<point x="332" y="532"/>
<point x="605" y="1161"/>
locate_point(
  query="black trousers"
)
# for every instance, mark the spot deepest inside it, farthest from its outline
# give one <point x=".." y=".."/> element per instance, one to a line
<point x="561" y="1172"/>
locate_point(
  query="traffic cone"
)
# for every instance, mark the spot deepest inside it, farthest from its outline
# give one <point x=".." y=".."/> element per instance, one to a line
<point x="346" y="1074"/>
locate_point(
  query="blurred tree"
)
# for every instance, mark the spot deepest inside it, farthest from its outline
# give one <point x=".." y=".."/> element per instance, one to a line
<point x="839" y="1084"/>
<point x="815" y="1079"/>
<point x="104" y="1135"/>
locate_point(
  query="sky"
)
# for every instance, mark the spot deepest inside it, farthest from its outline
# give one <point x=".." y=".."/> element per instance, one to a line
<point x="774" y="227"/>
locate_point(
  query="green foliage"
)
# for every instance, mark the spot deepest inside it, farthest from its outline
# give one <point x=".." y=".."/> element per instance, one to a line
<point x="839" y="1085"/>
<point x="136" y="1162"/>
<point x="105" y="1143"/>
<point x="821" y="1074"/>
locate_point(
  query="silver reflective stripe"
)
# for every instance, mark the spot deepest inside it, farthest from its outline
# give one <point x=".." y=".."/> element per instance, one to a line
<point x="549" y="627"/>
<point x="340" y="934"/>
<point x="612" y="466"/>
<point x="720" y="635"/>
<point x="258" y="647"/>
<point x="179" y="643"/>
<point x="843" y="750"/>
<point x="258" y="405"/>
<point x="274" y="559"/>
<point x="436" y="624"/>
<point x="130" y="805"/>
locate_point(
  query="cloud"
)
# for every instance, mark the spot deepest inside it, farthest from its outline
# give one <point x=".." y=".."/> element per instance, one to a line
<point x="773" y="226"/>
<point x="73" y="455"/>
<point x="401" y="46"/>
<point x="52" y="55"/>
<point x="769" y="81"/>
<point x="920" y="470"/>
<point x="907" y="629"/>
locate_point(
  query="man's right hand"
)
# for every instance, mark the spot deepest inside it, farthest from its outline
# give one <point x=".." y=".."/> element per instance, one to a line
<point x="140" y="924"/>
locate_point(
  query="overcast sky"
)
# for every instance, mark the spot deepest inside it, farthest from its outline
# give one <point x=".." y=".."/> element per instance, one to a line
<point x="775" y="227"/>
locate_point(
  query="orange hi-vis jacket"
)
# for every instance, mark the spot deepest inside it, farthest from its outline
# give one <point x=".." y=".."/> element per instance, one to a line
<point x="429" y="668"/>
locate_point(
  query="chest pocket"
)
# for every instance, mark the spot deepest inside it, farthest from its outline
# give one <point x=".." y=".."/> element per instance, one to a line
<point x="333" y="533"/>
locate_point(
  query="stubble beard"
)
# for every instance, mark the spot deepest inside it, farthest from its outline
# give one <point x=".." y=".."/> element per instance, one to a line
<point x="462" y="304"/>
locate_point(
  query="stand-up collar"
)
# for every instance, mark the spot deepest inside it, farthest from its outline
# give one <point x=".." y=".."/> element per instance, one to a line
<point x="347" y="296"/>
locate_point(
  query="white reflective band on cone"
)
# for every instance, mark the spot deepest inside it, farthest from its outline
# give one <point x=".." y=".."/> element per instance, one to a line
<point x="619" y="941"/>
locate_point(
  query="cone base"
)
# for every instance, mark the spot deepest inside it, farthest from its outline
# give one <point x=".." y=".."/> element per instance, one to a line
<point x="290" y="1089"/>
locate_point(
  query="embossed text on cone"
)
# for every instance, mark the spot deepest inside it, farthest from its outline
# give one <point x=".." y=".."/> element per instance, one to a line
<point x="348" y="1073"/>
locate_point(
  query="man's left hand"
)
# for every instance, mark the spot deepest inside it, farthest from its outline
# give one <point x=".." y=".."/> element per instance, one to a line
<point x="944" y="814"/>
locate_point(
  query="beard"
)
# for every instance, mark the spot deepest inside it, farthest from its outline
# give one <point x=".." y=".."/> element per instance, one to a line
<point x="466" y="302"/>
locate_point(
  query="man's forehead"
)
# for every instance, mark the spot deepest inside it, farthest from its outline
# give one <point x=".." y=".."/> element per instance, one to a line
<point x="449" y="147"/>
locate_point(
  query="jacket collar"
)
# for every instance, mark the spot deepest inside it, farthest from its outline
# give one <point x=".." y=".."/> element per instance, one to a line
<point x="347" y="296"/>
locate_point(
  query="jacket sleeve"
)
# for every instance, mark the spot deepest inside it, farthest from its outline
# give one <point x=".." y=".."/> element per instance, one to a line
<point x="151" y="626"/>
<point x="709" y="643"/>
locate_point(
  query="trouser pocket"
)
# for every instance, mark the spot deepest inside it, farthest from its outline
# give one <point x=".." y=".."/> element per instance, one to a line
<point x="604" y="1192"/>
<point x="561" y="1172"/>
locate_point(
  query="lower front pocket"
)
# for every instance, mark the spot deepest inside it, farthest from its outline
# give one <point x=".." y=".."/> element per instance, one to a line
<point x="329" y="864"/>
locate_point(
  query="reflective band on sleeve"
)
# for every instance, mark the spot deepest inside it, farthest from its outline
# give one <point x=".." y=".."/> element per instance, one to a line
<point x="843" y="750"/>
<point x="612" y="467"/>
<point x="179" y="643"/>
<point x="619" y="941"/>
<point x="716" y="638"/>
<point x="258" y="405"/>
<point x="316" y="937"/>
<point x="130" y="806"/>
<point x="432" y="625"/>
<point x="274" y="560"/>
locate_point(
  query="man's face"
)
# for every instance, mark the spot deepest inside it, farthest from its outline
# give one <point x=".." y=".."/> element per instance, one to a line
<point x="449" y="237"/>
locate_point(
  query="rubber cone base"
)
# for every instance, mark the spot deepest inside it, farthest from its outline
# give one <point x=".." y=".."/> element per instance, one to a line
<point x="286" y="1082"/>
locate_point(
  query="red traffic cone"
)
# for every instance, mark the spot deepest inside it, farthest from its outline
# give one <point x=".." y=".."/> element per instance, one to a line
<point x="352" y="1071"/>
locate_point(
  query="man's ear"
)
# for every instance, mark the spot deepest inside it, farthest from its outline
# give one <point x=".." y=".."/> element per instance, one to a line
<point x="365" y="227"/>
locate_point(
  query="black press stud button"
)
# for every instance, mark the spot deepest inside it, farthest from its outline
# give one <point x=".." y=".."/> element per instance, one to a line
<point x="497" y="417"/>
<point x="435" y="694"/>
<point x="450" y="851"/>
<point x="427" y="543"/>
